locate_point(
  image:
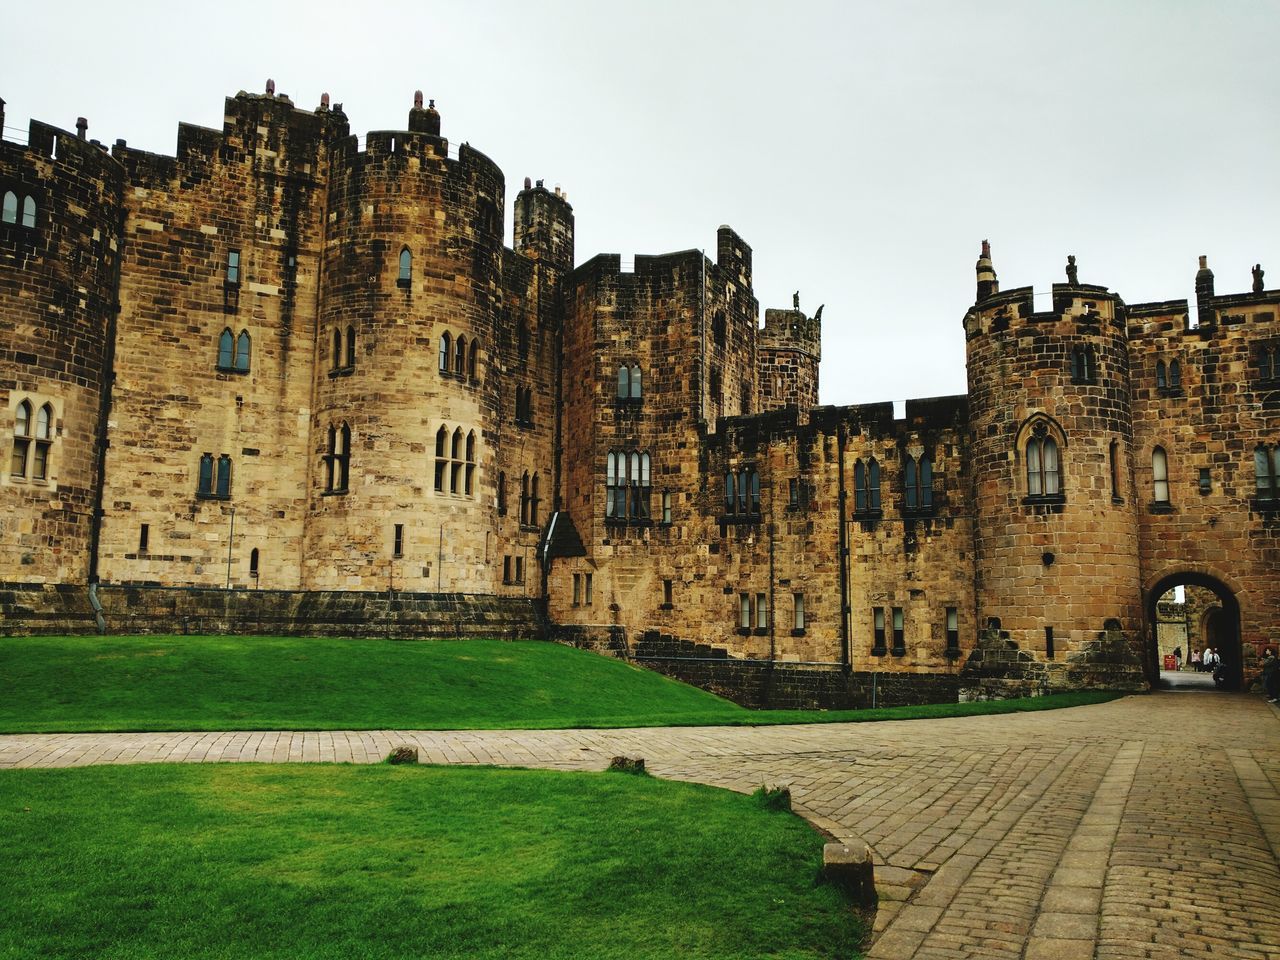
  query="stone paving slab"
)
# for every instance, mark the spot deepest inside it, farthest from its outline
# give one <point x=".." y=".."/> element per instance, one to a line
<point x="1147" y="827"/>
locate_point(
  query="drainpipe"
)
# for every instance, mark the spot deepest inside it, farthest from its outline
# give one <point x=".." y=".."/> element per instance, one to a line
<point x="843" y="554"/>
<point x="104" y="413"/>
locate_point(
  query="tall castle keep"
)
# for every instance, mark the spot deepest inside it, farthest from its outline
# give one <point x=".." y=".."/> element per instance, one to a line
<point x="283" y="381"/>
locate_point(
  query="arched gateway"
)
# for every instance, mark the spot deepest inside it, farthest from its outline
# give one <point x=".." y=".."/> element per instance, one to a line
<point x="1218" y="626"/>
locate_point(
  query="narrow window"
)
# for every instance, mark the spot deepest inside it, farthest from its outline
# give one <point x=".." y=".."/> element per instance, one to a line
<point x="859" y="488"/>
<point x="730" y="496"/>
<point x="204" y="486"/>
<point x="793" y="490"/>
<point x="233" y="267"/>
<point x="351" y="347"/>
<point x="624" y="383"/>
<point x="718" y="328"/>
<point x="471" y="360"/>
<point x="797" y="606"/>
<point x="522" y="340"/>
<point x="242" y="351"/>
<point x="668" y="591"/>
<point x="337" y="348"/>
<point x="144" y="535"/>
<point x="460" y="356"/>
<point x="502" y="494"/>
<point x="899" y="633"/>
<point x="953" y="628"/>
<point x="1205" y="482"/>
<point x="406" y="266"/>
<point x="468" y="485"/>
<point x="610" y="483"/>
<point x="877" y="626"/>
<point x="1048" y="642"/>
<point x="44" y="441"/>
<point x="29" y="212"/>
<point x="446" y="345"/>
<point x="744" y="611"/>
<point x="744" y="483"/>
<point x="226" y="350"/>
<point x="666" y="507"/>
<point x="913" y="484"/>
<point x="253" y="563"/>
<point x="643" y="491"/>
<point x="635" y="383"/>
<point x="926" y="482"/>
<point x="506" y="569"/>
<point x="533" y="503"/>
<point x="873" y="484"/>
<point x="577" y="589"/>
<point x="762" y="612"/>
<point x="519" y="569"/>
<point x="442" y="458"/>
<point x="1115" y="470"/>
<point x="1043" y="477"/>
<point x="10" y="213"/>
<point x="1162" y="379"/>
<point x="755" y="491"/>
<point x="455" y="464"/>
<point x="1266" y="363"/>
<point x="344" y="457"/>
<point x="1266" y="466"/>
<point x="21" y="439"/>
<point x="397" y="541"/>
<point x="1160" y="475"/>
<point x="524" y="498"/>
<point x="224" y="476"/>
<point x="329" y="459"/>
<point x="587" y="589"/>
<point x="1175" y="374"/>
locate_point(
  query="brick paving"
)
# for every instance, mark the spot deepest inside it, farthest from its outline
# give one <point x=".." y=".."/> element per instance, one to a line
<point x="1148" y="827"/>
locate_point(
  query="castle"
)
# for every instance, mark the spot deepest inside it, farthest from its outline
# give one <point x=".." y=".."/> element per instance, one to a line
<point x="281" y="381"/>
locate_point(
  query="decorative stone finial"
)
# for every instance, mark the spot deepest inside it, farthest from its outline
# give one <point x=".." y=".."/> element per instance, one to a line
<point x="1204" y="262"/>
<point x="431" y="104"/>
<point x="271" y="87"/>
<point x="986" y="250"/>
<point x="795" y="300"/>
<point x="527" y="183"/>
<point x="1258" y="273"/>
<point x="417" y="99"/>
<point x="324" y="101"/>
<point x="987" y="282"/>
<point x="1072" y="278"/>
<point x="82" y="125"/>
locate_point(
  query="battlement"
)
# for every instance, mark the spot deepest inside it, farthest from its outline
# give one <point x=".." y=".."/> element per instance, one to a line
<point x="1085" y="306"/>
<point x="47" y="142"/>
<point x="792" y="330"/>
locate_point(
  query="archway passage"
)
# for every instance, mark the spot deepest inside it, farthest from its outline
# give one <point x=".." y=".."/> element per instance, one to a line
<point x="1203" y="615"/>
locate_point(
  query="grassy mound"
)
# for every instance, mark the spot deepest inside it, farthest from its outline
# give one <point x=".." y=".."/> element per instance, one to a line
<point x="295" y="861"/>
<point x="69" y="684"/>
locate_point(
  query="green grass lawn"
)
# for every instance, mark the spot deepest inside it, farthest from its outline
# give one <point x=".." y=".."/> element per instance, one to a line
<point x="68" y="684"/>
<point x="249" y="861"/>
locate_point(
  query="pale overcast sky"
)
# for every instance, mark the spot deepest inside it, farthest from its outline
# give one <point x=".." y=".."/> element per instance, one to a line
<point x="863" y="149"/>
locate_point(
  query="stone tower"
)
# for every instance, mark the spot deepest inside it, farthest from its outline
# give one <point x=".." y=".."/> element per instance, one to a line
<point x="790" y="349"/>
<point x="1056" y="542"/>
<point x="60" y="237"/>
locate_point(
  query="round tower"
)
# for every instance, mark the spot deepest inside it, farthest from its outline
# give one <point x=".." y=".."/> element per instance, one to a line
<point x="1056" y="541"/>
<point x="789" y="352"/>
<point x="407" y="411"/>
<point x="60" y="220"/>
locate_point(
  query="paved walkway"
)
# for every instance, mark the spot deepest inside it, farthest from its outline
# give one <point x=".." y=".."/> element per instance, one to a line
<point x="1146" y="827"/>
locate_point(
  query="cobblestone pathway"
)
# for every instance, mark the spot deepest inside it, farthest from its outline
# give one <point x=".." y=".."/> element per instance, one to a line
<point x="1147" y="827"/>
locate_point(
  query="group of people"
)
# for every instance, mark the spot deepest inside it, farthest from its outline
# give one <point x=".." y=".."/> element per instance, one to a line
<point x="1210" y="661"/>
<point x="1206" y="661"/>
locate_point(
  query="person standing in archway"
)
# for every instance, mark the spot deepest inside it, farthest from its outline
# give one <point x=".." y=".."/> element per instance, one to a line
<point x="1271" y="675"/>
<point x="1177" y="658"/>
<point x="1195" y="660"/>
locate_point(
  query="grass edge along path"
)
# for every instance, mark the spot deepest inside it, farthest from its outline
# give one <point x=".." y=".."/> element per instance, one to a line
<point x="190" y="683"/>
<point x="292" y="861"/>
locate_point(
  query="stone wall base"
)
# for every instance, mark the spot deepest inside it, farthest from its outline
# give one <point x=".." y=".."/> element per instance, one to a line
<point x="129" y="609"/>
<point x="998" y="670"/>
<point x="759" y="684"/>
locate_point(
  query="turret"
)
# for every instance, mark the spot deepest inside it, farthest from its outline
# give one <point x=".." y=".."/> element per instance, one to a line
<point x="790" y="349"/>
<point x="424" y="120"/>
<point x="1204" y="292"/>
<point x="988" y="285"/>
<point x="544" y="225"/>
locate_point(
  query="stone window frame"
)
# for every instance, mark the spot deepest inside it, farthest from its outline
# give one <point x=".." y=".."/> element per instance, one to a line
<point x="629" y="390"/>
<point x="337" y="460"/>
<point x="867" y="503"/>
<point x="35" y="431"/>
<point x="628" y="486"/>
<point x="899" y="623"/>
<point x="213" y="478"/>
<point x="22" y="213"/>
<point x="1169" y="377"/>
<point x="529" y="500"/>
<point x="917" y="485"/>
<point x="951" y="630"/>
<point x="234" y="269"/>
<point x="234" y="351"/>
<point x="1268" y="362"/>
<point x="455" y="458"/>
<point x="798" y="614"/>
<point x="1084" y="364"/>
<point x="1161" y="485"/>
<point x="878" y="633"/>
<point x="1039" y="432"/>
<point x="404" y="274"/>
<point x="1266" y="477"/>
<point x="742" y="494"/>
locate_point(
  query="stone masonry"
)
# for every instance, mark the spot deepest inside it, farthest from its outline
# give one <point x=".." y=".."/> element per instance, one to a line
<point x="289" y="359"/>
